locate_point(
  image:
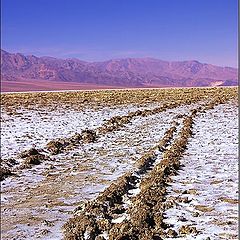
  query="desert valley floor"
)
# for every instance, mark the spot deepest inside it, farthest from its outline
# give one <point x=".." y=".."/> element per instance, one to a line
<point x="120" y="164"/>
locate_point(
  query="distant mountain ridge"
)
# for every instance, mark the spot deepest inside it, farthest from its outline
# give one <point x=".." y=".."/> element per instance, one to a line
<point x="128" y="72"/>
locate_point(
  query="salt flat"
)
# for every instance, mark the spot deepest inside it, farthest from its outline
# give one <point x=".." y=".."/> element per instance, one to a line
<point x="38" y="199"/>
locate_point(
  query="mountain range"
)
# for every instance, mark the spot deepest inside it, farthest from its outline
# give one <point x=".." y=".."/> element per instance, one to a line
<point x="128" y="72"/>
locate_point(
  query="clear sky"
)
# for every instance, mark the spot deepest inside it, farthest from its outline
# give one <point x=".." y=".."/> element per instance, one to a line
<point x="95" y="30"/>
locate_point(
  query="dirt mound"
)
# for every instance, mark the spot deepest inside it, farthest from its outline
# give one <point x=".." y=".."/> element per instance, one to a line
<point x="56" y="146"/>
<point x="4" y="173"/>
<point x="32" y="157"/>
<point x="89" y="136"/>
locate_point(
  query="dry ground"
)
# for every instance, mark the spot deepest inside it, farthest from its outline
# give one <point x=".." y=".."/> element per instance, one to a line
<point x="162" y="148"/>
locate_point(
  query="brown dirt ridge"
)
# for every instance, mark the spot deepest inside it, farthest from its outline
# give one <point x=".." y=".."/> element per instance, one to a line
<point x="134" y="205"/>
<point x="145" y="220"/>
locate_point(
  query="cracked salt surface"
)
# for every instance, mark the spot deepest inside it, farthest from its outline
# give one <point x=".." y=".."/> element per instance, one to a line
<point x="53" y="193"/>
<point x="38" y="126"/>
<point x="210" y="174"/>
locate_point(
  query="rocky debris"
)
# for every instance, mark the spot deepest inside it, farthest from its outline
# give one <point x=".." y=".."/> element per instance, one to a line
<point x="121" y="231"/>
<point x="186" y="230"/>
<point x="229" y="200"/>
<point x="119" y="121"/>
<point x="9" y="163"/>
<point x="148" y="206"/>
<point x="88" y="136"/>
<point x="195" y="214"/>
<point x="113" y="194"/>
<point x="184" y="200"/>
<point x="203" y="208"/>
<point x="7" y="168"/>
<point x="171" y="233"/>
<point x="4" y="173"/>
<point x="81" y="227"/>
<point x="108" y="98"/>
<point x="100" y="238"/>
<point x="166" y="139"/>
<point x="55" y="146"/>
<point x="76" y="138"/>
<point x="190" y="191"/>
<point x="33" y="160"/>
<point x="45" y="232"/>
<point x="180" y="116"/>
<point x="182" y="219"/>
<point x="145" y="162"/>
<point x="114" y="123"/>
<point x="59" y="145"/>
<point x="48" y="223"/>
<point x="28" y="153"/>
<point x="32" y="157"/>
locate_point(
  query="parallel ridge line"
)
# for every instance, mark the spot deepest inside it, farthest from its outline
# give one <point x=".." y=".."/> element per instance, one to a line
<point x="94" y="220"/>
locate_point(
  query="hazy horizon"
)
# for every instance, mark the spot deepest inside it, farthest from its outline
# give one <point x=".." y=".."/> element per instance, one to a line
<point x="205" y="31"/>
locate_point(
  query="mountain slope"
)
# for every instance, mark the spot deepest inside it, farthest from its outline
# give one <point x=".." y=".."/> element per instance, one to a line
<point x="129" y="72"/>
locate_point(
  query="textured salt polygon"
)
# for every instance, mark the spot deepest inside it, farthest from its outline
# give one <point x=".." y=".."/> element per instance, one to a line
<point x="210" y="167"/>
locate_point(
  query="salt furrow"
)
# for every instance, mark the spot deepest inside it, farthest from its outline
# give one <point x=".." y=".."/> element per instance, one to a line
<point x="144" y="168"/>
<point x="98" y="216"/>
<point x="56" y="146"/>
<point x="146" y="217"/>
<point x="31" y="157"/>
<point x="209" y="178"/>
<point x="28" y="128"/>
<point x="55" y="187"/>
<point x="37" y="202"/>
<point x="113" y="124"/>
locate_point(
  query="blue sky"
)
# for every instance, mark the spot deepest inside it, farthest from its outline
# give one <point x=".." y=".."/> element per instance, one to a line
<point x="96" y="30"/>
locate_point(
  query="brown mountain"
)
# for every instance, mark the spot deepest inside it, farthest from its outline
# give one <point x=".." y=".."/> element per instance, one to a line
<point x="129" y="72"/>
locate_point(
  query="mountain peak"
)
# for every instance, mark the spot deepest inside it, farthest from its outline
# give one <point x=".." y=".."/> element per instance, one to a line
<point x="116" y="72"/>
